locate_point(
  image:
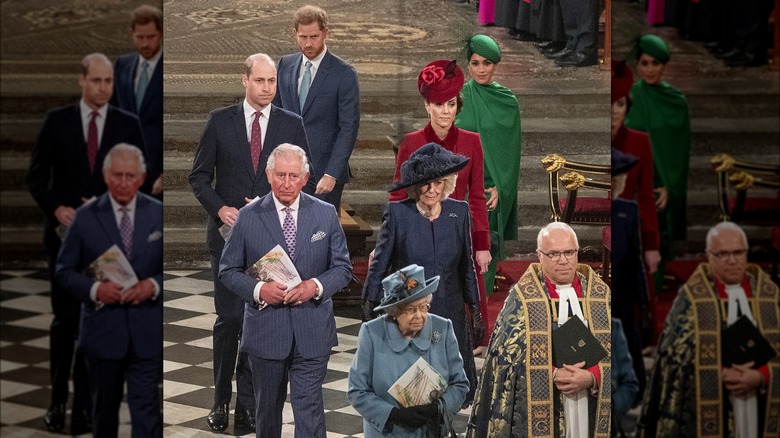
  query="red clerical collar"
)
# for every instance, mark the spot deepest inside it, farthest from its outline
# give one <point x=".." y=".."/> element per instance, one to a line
<point x="554" y="293"/>
<point x="721" y="288"/>
<point x="449" y="141"/>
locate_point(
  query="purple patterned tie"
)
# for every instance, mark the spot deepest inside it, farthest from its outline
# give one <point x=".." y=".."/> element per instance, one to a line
<point x="126" y="231"/>
<point x="289" y="230"/>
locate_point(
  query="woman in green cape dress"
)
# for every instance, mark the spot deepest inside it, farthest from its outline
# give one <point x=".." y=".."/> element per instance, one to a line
<point x="661" y="110"/>
<point x="491" y="110"/>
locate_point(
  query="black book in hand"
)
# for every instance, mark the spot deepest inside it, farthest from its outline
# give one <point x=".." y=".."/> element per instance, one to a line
<point x="742" y="342"/>
<point x="573" y="342"/>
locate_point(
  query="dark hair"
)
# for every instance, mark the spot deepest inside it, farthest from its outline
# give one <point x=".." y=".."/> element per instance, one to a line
<point x="145" y="14"/>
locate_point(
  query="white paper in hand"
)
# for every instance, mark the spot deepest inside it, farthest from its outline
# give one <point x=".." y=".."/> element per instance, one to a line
<point x="113" y="266"/>
<point x="419" y="385"/>
<point x="276" y="266"/>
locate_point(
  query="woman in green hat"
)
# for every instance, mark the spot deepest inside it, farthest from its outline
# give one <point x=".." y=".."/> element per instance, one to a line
<point x="492" y="111"/>
<point x="661" y="110"/>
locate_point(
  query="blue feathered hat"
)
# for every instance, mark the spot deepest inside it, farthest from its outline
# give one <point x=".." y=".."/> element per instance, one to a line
<point x="405" y="286"/>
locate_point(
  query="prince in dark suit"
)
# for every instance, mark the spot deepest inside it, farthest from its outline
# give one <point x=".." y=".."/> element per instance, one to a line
<point x="234" y="149"/>
<point x="121" y="327"/>
<point x="288" y="334"/>
<point x="64" y="172"/>
<point x="328" y="99"/>
<point x="138" y="86"/>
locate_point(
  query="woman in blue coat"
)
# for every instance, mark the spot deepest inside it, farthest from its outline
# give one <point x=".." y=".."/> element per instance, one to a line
<point x="389" y="346"/>
<point x="432" y="231"/>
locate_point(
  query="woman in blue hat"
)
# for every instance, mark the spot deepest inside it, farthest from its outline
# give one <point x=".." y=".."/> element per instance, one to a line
<point x="431" y="230"/>
<point x="391" y="345"/>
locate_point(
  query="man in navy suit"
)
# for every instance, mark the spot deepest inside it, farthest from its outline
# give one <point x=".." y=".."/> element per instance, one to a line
<point x="288" y="334"/>
<point x="121" y="328"/>
<point x="138" y="86"/>
<point x="65" y="170"/>
<point x="234" y="149"/>
<point x="328" y="99"/>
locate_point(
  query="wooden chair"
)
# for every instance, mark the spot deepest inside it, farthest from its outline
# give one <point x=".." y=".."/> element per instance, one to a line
<point x="576" y="209"/>
<point x="748" y="192"/>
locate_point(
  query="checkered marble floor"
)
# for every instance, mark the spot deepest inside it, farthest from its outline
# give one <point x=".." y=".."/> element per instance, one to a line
<point x="188" y="387"/>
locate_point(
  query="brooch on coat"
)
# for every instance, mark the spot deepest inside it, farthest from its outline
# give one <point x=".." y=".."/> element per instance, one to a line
<point x="453" y="215"/>
<point x="435" y="337"/>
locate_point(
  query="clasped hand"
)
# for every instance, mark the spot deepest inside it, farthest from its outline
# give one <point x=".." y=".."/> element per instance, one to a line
<point x="415" y="416"/>
<point x="275" y="293"/>
<point x="571" y="379"/>
<point x="741" y="379"/>
<point x="110" y="293"/>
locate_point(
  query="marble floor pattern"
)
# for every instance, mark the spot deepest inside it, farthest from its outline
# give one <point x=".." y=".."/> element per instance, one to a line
<point x="188" y="389"/>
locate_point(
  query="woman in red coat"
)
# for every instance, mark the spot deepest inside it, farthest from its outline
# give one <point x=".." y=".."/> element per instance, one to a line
<point x="440" y="83"/>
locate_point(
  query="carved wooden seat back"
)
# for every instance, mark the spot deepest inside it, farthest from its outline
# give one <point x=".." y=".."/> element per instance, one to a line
<point x="574" y="177"/>
<point x="748" y="192"/>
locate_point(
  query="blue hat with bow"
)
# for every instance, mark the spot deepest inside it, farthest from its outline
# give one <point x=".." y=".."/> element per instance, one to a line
<point x="407" y="285"/>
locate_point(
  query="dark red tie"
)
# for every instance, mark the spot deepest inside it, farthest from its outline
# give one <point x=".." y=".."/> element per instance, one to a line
<point x="92" y="141"/>
<point x="255" y="143"/>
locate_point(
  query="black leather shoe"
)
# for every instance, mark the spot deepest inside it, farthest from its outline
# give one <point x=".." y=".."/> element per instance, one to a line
<point x="559" y="54"/>
<point x="55" y="418"/>
<point x="243" y="420"/>
<point x="218" y="418"/>
<point x="728" y="54"/>
<point x="553" y="48"/>
<point x="577" y="59"/>
<point x="523" y="36"/>
<point x="541" y="44"/>
<point x="745" y="60"/>
<point x="80" y="422"/>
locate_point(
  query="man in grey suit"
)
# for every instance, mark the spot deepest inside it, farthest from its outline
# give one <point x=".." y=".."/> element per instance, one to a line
<point x="288" y="334"/>
<point x="233" y="149"/>
<point x="323" y="89"/>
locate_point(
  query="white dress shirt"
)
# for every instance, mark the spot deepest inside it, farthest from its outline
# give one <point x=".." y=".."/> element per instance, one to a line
<point x="315" y="66"/>
<point x="249" y="118"/>
<point x="100" y="120"/>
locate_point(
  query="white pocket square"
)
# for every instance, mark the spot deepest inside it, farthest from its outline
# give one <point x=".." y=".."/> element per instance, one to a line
<point x="157" y="235"/>
<point x="319" y="235"/>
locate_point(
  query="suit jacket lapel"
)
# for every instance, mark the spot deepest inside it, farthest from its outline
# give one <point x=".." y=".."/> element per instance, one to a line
<point x="239" y="126"/>
<point x="319" y="79"/>
<point x="107" y="220"/>
<point x="77" y="133"/>
<point x="292" y="85"/>
<point x="304" y="225"/>
<point x="270" y="218"/>
<point x="140" y="227"/>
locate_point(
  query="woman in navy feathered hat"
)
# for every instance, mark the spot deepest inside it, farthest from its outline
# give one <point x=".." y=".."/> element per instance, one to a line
<point x="433" y="231"/>
<point x="440" y="83"/>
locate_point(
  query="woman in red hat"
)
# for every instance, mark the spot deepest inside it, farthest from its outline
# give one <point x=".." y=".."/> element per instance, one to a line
<point x="440" y="83"/>
<point x="629" y="280"/>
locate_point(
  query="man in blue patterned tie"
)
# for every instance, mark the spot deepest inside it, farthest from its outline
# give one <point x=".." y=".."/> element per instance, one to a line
<point x="121" y="324"/>
<point x="138" y="86"/>
<point x="288" y="333"/>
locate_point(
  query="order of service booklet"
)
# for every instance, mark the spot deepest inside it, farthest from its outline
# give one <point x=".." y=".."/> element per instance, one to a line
<point x="113" y="265"/>
<point x="419" y="385"/>
<point x="276" y="266"/>
<point x="742" y="342"/>
<point x="573" y="342"/>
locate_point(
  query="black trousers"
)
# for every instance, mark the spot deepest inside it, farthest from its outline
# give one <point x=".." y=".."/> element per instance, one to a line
<point x="581" y="24"/>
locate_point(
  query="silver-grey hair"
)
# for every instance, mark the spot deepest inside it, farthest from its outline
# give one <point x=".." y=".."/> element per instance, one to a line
<point x="288" y="151"/>
<point x="251" y="60"/>
<point x="726" y="225"/>
<point x="92" y="57"/>
<point x="555" y="226"/>
<point x="450" y="180"/>
<point x="395" y="311"/>
<point x="125" y="148"/>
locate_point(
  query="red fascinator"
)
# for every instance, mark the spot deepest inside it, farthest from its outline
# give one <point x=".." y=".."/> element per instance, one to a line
<point x="440" y="81"/>
<point x="622" y="80"/>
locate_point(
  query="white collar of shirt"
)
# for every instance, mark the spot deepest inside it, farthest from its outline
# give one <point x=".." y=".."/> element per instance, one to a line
<point x="249" y="117"/>
<point x="737" y="302"/>
<point x="152" y="64"/>
<point x="100" y="120"/>
<point x="115" y="206"/>
<point x="315" y="65"/>
<point x="282" y="214"/>
<point x="567" y="297"/>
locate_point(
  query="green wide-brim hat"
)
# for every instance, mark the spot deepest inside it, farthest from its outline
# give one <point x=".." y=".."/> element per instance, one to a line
<point x="655" y="47"/>
<point x="485" y="47"/>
